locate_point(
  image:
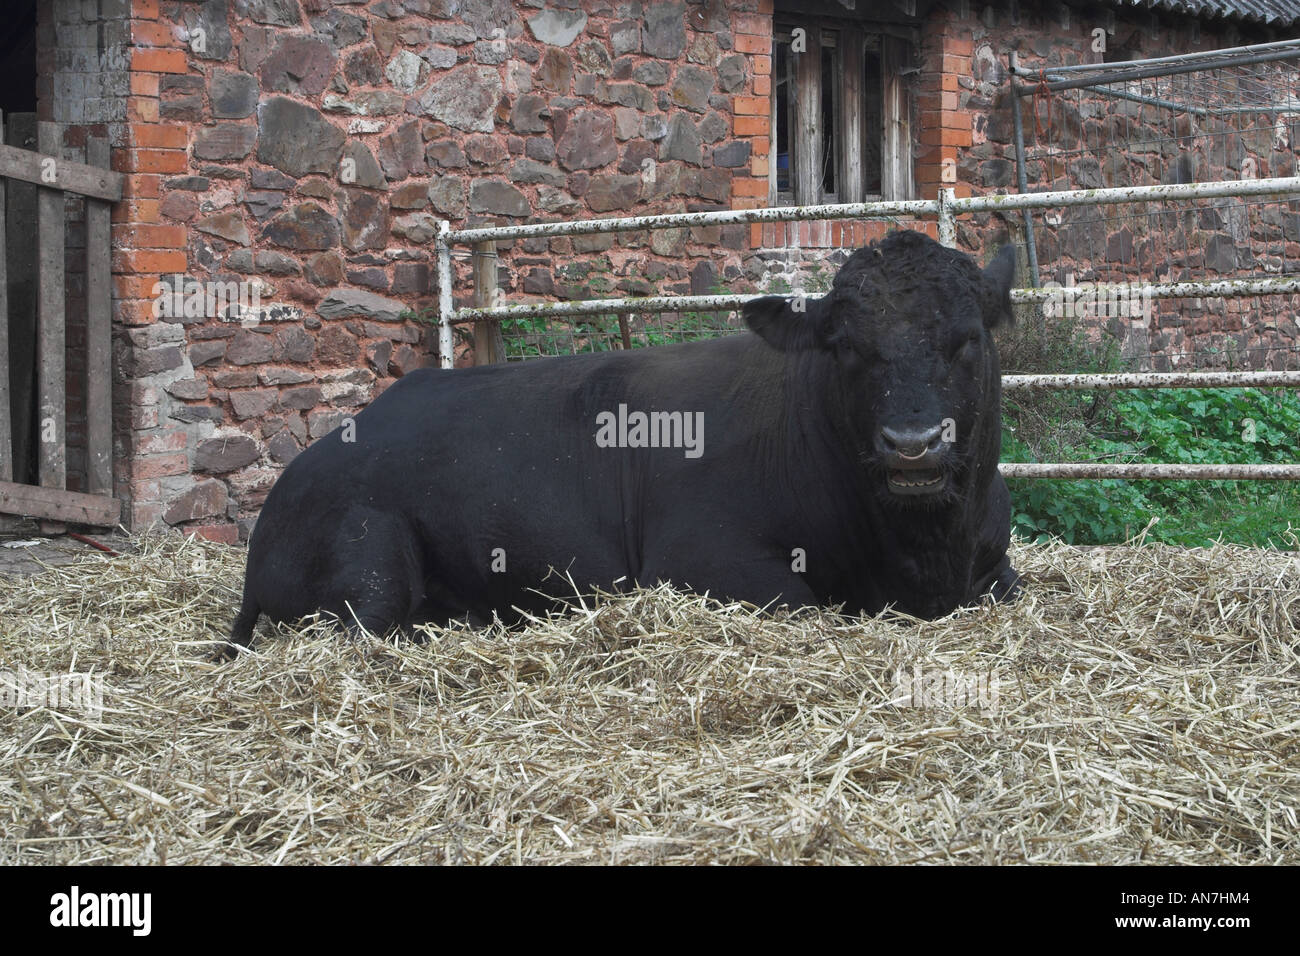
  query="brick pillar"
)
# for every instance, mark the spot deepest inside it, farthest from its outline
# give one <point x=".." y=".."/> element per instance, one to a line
<point x="945" y="125"/>
<point x="752" y="108"/>
<point x="147" y="449"/>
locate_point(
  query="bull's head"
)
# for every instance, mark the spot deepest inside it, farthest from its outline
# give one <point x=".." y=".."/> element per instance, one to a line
<point x="905" y="336"/>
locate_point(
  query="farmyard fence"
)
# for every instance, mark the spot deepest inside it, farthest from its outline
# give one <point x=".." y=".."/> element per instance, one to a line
<point x="486" y="312"/>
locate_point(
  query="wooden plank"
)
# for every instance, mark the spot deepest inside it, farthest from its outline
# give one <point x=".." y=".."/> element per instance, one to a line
<point x="896" y="109"/>
<point x="806" y="137"/>
<point x="624" y="332"/>
<point x="58" y="505"/>
<point x="51" y="424"/>
<point x="62" y="173"/>
<point x="99" y="331"/>
<point x="489" y="346"/>
<point x="20" y="264"/>
<point x="851" y="187"/>
<point x="6" y="435"/>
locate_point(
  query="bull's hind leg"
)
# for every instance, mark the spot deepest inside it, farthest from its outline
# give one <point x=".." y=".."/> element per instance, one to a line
<point x="376" y="579"/>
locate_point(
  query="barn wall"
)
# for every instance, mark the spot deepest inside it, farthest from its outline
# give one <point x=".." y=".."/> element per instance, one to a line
<point x="1211" y="245"/>
<point x="304" y="149"/>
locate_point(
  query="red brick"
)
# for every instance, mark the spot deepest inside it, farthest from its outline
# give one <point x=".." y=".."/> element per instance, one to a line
<point x="960" y="45"/>
<point x="158" y="466"/>
<point x="159" y="61"/>
<point x="748" y="202"/>
<point x="960" y="119"/>
<point x="155" y="160"/>
<point x="955" y="64"/>
<point x="744" y="186"/>
<point x="762" y="65"/>
<point x="134" y="286"/>
<point x="753" y="125"/>
<point x="147" y="489"/>
<point x="142" y="109"/>
<point x="149" y="260"/>
<point x="144" y="9"/>
<point x="758" y="166"/>
<point x="155" y="444"/>
<point x="762" y="86"/>
<point x="745" y="43"/>
<point x="765" y="6"/>
<point x="135" y="210"/>
<point x="937" y="101"/>
<point x="221" y="533"/>
<point x="754" y="23"/>
<point x="159" y="136"/>
<point x="759" y="146"/>
<point x="151" y="33"/>
<point x="945" y="137"/>
<point x="140" y="185"/>
<point x="136" y="236"/>
<point x="144" y="84"/>
<point x="756" y="230"/>
<point x="752" y="106"/>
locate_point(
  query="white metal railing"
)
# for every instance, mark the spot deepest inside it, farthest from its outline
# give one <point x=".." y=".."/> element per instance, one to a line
<point x="945" y="208"/>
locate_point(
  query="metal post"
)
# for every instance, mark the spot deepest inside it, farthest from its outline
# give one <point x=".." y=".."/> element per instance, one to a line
<point x="947" y="226"/>
<point x="445" y="304"/>
<point x="1022" y="181"/>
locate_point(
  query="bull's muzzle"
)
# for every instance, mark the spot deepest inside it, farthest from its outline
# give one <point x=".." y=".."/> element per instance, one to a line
<point x="912" y="459"/>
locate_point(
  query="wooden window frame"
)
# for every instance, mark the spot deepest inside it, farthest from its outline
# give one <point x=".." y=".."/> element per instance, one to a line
<point x="805" y="116"/>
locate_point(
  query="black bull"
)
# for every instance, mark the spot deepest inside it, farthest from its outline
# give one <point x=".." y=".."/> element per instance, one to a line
<point x="845" y="452"/>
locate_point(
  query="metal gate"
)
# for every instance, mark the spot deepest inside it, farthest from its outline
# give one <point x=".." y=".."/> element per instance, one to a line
<point x="946" y="208"/>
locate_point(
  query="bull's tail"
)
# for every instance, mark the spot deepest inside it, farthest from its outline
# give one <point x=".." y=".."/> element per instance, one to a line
<point x="241" y="632"/>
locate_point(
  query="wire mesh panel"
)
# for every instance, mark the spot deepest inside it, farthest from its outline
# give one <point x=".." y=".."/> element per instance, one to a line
<point x="1179" y="120"/>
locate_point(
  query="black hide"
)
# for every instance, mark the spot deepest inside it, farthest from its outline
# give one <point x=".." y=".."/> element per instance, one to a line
<point x="849" y="454"/>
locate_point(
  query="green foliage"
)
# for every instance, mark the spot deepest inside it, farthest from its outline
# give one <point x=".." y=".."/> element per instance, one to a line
<point x="1194" y="426"/>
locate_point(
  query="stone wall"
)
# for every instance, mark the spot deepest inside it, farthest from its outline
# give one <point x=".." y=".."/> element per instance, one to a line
<point x="301" y="152"/>
<point x="306" y="148"/>
<point x="1078" y="141"/>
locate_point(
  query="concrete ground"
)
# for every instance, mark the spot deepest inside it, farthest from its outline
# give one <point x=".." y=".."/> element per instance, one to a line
<point x="24" y="554"/>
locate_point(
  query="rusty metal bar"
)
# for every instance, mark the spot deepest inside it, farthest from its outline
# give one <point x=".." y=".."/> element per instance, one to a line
<point x="1120" y="194"/>
<point x="1279" y="285"/>
<point x="1254" y="48"/>
<point x="583" y="227"/>
<point x="1152" y="472"/>
<point x="657" y="303"/>
<point x="1262" y="379"/>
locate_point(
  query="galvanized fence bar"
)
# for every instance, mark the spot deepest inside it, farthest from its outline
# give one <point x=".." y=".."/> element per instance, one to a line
<point x="1227" y="288"/>
<point x="1281" y="185"/>
<point x="446" y="342"/>
<point x="1110" y="380"/>
<point x="1131" y="472"/>
<point x="946" y="208"/>
<point x="726" y="217"/>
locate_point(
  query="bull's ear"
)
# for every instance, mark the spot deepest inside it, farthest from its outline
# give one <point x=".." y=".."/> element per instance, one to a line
<point x="999" y="276"/>
<point x="789" y="324"/>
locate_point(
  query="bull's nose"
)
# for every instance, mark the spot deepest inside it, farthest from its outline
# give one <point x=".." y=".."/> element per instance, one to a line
<point x="911" y="442"/>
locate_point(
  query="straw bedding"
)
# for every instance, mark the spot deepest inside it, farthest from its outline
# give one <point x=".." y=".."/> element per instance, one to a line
<point x="1146" y="711"/>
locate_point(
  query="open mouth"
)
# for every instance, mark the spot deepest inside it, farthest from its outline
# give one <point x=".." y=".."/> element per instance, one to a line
<point x="915" y="481"/>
